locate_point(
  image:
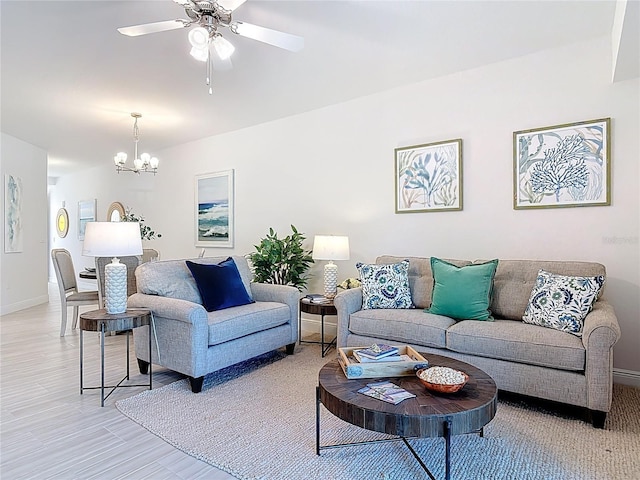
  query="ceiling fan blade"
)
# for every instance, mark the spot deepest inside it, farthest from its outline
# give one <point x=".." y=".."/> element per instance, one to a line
<point x="290" y="42"/>
<point x="145" y="28"/>
<point x="230" y="4"/>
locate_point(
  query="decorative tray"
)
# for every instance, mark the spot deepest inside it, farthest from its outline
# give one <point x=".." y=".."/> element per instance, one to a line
<point x="354" y="369"/>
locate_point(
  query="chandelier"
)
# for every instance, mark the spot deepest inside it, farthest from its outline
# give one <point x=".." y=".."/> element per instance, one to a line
<point x="143" y="163"/>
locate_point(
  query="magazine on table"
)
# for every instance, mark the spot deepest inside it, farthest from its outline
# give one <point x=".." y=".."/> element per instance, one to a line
<point x="386" y="391"/>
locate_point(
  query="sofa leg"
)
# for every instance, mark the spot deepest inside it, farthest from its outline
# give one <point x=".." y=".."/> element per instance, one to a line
<point x="196" y="384"/>
<point x="289" y="348"/>
<point x="597" y="418"/>
<point x="143" y="366"/>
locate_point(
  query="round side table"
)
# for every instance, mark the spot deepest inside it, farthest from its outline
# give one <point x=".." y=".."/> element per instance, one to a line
<point x="322" y="309"/>
<point x="101" y="321"/>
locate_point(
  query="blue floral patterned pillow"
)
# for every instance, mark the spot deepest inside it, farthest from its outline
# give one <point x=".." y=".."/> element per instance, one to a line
<point x="385" y="285"/>
<point x="562" y="302"/>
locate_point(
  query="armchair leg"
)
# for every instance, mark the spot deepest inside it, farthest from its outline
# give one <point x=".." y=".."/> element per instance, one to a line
<point x="196" y="384"/>
<point x="597" y="418"/>
<point x="289" y="348"/>
<point x="143" y="366"/>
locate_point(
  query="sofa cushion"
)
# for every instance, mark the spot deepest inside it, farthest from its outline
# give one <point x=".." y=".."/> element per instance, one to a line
<point x="220" y="285"/>
<point x="385" y="286"/>
<point x="172" y="278"/>
<point x="420" y="276"/>
<point x="515" y="279"/>
<point x="517" y="342"/>
<point x="401" y="326"/>
<point x="562" y="302"/>
<point x="462" y="292"/>
<point x="237" y="322"/>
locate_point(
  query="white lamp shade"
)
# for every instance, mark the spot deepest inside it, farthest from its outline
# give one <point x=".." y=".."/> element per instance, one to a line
<point x="330" y="247"/>
<point x="223" y="47"/>
<point x="112" y="239"/>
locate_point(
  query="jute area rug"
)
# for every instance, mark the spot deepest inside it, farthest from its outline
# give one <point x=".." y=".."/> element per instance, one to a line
<point x="257" y="421"/>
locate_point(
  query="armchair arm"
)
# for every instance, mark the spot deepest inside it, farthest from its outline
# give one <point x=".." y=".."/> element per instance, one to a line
<point x="346" y="302"/>
<point x="600" y="333"/>
<point x="166" y="307"/>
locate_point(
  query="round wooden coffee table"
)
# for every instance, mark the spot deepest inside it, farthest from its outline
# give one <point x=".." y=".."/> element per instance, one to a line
<point x="427" y="415"/>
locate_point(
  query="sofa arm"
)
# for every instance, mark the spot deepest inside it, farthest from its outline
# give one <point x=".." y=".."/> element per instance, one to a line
<point x="600" y="333"/>
<point x="172" y="308"/>
<point x="346" y="302"/>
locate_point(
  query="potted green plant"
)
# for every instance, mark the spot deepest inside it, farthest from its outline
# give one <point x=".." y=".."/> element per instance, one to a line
<point x="282" y="261"/>
<point x="146" y="232"/>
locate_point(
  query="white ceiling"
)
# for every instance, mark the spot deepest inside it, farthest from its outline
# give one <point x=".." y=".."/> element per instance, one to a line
<point x="70" y="80"/>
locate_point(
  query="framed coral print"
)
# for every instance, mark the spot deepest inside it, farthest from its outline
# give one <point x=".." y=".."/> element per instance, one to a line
<point x="214" y="209"/>
<point x="429" y="177"/>
<point x="563" y="166"/>
<point x="86" y="214"/>
<point x="62" y="222"/>
<point x="13" y="220"/>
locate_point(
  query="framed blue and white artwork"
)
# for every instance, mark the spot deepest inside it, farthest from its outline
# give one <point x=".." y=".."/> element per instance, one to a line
<point x="429" y="177"/>
<point x="563" y="166"/>
<point x="13" y="235"/>
<point x="214" y="209"/>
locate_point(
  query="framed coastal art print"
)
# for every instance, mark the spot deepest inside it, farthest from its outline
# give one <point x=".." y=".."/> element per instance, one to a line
<point x="86" y="214"/>
<point x="563" y="166"/>
<point x="429" y="177"/>
<point x="214" y="209"/>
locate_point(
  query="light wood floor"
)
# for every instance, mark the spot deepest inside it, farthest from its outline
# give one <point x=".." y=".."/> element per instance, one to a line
<point x="48" y="430"/>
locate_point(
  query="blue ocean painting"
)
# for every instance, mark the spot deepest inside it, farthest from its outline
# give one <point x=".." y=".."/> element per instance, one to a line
<point x="213" y="221"/>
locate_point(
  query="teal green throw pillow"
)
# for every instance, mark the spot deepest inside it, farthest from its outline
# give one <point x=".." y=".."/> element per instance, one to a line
<point x="463" y="293"/>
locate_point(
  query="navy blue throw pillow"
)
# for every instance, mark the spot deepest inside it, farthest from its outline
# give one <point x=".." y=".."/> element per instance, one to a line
<point x="220" y="285"/>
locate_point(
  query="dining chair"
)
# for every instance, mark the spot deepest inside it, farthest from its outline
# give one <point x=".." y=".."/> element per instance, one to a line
<point x="68" y="286"/>
<point x="150" y="255"/>
<point x="131" y="262"/>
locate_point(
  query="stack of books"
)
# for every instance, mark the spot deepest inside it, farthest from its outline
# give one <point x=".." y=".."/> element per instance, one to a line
<point x="317" y="298"/>
<point x="380" y="353"/>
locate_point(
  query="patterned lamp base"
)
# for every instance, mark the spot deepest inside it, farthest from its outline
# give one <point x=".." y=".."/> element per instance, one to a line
<point x="115" y="287"/>
<point x="330" y="280"/>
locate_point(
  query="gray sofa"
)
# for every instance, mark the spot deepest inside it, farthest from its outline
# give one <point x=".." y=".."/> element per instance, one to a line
<point x="195" y="342"/>
<point x="522" y="358"/>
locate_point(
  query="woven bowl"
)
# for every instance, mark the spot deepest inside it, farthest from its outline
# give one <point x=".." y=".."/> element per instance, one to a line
<point x="441" y="387"/>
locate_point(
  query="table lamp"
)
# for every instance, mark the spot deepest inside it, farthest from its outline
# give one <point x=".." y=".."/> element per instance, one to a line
<point x="330" y="247"/>
<point x="113" y="239"/>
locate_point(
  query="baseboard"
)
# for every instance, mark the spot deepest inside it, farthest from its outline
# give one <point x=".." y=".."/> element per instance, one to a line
<point x="312" y="325"/>
<point x="15" y="307"/>
<point x="626" y="377"/>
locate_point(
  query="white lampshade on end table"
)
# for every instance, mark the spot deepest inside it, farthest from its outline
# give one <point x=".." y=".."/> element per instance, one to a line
<point x="113" y="239"/>
<point x="330" y="247"/>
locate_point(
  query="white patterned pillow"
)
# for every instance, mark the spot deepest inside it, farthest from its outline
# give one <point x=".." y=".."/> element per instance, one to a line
<point x="385" y="285"/>
<point x="562" y="302"/>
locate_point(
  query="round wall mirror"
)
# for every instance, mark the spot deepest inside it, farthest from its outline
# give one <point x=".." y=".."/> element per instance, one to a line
<point x="62" y="222"/>
<point x="115" y="212"/>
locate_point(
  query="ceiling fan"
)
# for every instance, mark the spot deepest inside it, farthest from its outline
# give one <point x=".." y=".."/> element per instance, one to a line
<point x="208" y="45"/>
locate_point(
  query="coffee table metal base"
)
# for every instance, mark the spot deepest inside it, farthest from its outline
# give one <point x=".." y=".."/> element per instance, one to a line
<point x="447" y="442"/>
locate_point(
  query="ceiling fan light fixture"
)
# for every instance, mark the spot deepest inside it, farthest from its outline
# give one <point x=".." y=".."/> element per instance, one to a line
<point x="224" y="48"/>
<point x="199" y="37"/>
<point x="200" y="54"/>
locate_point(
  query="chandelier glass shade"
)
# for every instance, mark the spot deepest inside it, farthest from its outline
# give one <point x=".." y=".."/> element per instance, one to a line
<point x="143" y="163"/>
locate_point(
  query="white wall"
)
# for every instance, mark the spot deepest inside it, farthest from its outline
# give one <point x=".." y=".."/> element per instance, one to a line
<point x="24" y="274"/>
<point x="331" y="171"/>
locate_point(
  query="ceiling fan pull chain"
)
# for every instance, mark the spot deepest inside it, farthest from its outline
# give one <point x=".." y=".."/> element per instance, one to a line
<point x="209" y="72"/>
